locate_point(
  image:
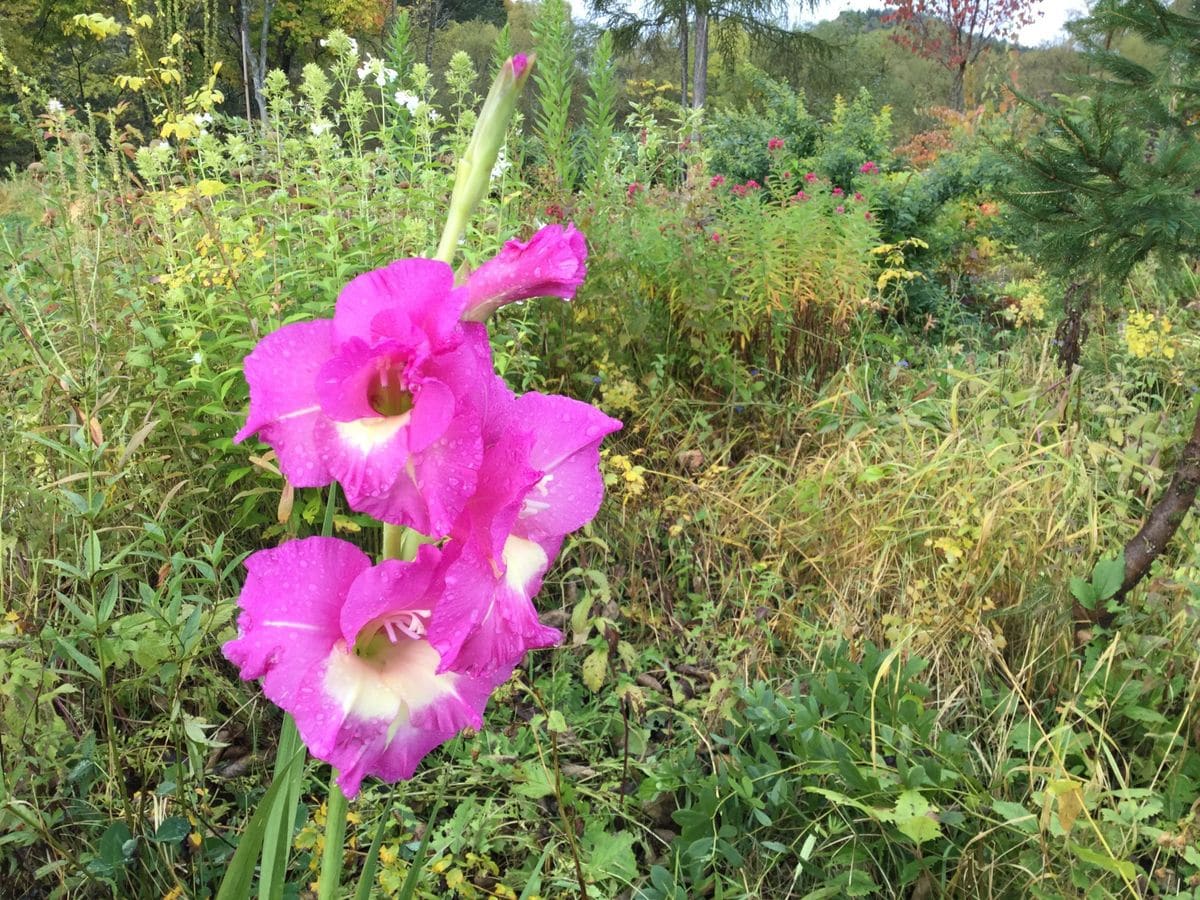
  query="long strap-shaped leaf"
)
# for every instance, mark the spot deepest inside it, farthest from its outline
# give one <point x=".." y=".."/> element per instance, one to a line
<point x="240" y="874"/>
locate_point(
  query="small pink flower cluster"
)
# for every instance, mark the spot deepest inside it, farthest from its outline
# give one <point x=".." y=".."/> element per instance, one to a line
<point x="868" y="168"/>
<point x="395" y="398"/>
<point x="716" y="181"/>
<point x="741" y="190"/>
<point x="633" y="190"/>
<point x="775" y="143"/>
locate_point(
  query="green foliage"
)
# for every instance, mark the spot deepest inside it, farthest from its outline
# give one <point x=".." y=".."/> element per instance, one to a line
<point x="738" y="138"/>
<point x="600" y="111"/>
<point x="817" y="641"/>
<point x="555" y="78"/>
<point x="1114" y="170"/>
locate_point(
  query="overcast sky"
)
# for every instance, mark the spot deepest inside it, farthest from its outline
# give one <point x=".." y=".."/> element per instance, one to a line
<point x="1047" y="29"/>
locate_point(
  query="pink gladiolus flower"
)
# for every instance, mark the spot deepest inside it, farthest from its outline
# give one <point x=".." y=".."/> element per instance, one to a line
<point x="868" y="168"/>
<point x="752" y="185"/>
<point x="810" y="177"/>
<point x="838" y="192"/>
<point x="381" y="397"/>
<point x="519" y="63"/>
<point x="716" y="181"/>
<point x="800" y="197"/>
<point x="738" y="190"/>
<point x="340" y="644"/>
<point x="542" y="481"/>
<point x="775" y="143"/>
<point x="549" y="264"/>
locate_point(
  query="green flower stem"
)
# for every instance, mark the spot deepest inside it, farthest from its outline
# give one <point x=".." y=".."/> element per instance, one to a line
<point x="335" y="841"/>
<point x="393" y="542"/>
<point x="401" y="543"/>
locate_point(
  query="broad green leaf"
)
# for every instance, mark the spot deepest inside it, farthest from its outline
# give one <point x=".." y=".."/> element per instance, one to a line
<point x="1016" y="815"/>
<point x="915" y="818"/>
<point x="1107" y="577"/>
<point x="1122" y="867"/>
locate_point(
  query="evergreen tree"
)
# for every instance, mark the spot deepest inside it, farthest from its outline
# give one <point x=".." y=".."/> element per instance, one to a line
<point x="1112" y="179"/>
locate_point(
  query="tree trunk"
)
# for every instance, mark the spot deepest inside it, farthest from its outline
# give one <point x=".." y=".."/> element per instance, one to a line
<point x="435" y="8"/>
<point x="683" y="58"/>
<point x="1164" y="520"/>
<point x="957" y="90"/>
<point x="700" y="62"/>
<point x="254" y="64"/>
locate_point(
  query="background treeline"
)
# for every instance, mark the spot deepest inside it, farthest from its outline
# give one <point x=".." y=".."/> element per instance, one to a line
<point x="51" y="53"/>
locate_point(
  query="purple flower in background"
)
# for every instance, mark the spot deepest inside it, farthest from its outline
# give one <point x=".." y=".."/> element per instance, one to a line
<point x="381" y="398"/>
<point x="552" y="263"/>
<point x="340" y="644"/>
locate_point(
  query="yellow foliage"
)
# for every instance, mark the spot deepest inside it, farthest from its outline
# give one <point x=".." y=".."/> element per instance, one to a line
<point x="1146" y="336"/>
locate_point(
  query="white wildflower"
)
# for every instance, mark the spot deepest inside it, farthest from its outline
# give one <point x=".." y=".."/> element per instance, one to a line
<point x="501" y="165"/>
<point x="319" y="127"/>
<point x="53" y="106"/>
<point x="376" y="70"/>
<point x="407" y="100"/>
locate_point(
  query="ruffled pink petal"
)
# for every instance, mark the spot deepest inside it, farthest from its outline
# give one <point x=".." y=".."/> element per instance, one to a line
<point x="485" y="620"/>
<point x="566" y="450"/>
<point x="552" y="263"/>
<point x="392" y="750"/>
<point x="284" y="407"/>
<point x="366" y="456"/>
<point x="433" y="408"/>
<point x="291" y="607"/>
<point x="415" y="297"/>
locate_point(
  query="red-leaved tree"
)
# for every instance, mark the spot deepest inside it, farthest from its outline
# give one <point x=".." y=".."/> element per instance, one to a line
<point x="956" y="32"/>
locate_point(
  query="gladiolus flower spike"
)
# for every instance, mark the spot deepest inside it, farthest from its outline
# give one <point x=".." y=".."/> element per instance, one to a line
<point x="395" y="398"/>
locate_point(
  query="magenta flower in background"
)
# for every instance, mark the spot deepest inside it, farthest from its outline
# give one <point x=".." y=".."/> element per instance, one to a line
<point x="840" y="210"/>
<point x="858" y="197"/>
<point x="552" y="263"/>
<point x="340" y="644"/>
<point x="716" y="181"/>
<point x="775" y="143"/>
<point x="633" y="189"/>
<point x="810" y="177"/>
<point x="540" y="481"/>
<point x="838" y="192"/>
<point x="800" y="197"/>
<point x="380" y="398"/>
<point x="868" y="168"/>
